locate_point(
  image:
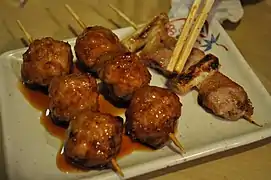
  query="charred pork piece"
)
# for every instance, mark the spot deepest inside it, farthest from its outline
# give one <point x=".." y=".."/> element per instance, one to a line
<point x="94" y="139"/>
<point x="95" y="45"/>
<point x="194" y="75"/>
<point x="45" y="59"/>
<point x="123" y="75"/>
<point x="152" y="115"/>
<point x="224" y="98"/>
<point x="139" y="39"/>
<point x="70" y="95"/>
<point x="155" y="46"/>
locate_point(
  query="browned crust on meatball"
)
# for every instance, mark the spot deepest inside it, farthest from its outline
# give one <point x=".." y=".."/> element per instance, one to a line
<point x="70" y="95"/>
<point x="152" y="115"/>
<point x="95" y="45"/>
<point x="94" y="139"/>
<point x="124" y="75"/>
<point x="45" y="59"/>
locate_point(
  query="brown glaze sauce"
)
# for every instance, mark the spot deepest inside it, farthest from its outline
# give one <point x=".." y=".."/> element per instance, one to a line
<point x="40" y="102"/>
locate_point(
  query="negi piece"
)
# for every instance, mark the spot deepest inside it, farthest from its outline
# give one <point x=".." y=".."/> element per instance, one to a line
<point x="152" y="115"/>
<point x="45" y="59"/>
<point x="70" y="95"/>
<point x="95" y="45"/>
<point x="94" y="139"/>
<point x="123" y="75"/>
<point x="224" y="98"/>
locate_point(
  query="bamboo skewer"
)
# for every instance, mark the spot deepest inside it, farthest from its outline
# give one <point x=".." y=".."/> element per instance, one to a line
<point x="176" y="142"/>
<point x="28" y="36"/>
<point x="189" y="43"/>
<point x="121" y="14"/>
<point x="116" y="167"/>
<point x="183" y="36"/>
<point x="75" y="16"/>
<point x="83" y="26"/>
<point x="252" y="121"/>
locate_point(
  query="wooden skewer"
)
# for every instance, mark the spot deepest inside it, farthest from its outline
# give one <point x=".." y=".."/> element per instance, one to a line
<point x="121" y="14"/>
<point x="116" y="167"/>
<point x="176" y="142"/>
<point x="193" y="35"/>
<point x="171" y="135"/>
<point x="28" y="36"/>
<point x="184" y="35"/>
<point x="252" y="121"/>
<point x="75" y="16"/>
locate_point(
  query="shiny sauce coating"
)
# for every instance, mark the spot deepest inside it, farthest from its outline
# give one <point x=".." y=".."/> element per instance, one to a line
<point x="40" y="101"/>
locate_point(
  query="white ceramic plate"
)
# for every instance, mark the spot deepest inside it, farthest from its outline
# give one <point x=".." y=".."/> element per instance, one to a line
<point x="30" y="152"/>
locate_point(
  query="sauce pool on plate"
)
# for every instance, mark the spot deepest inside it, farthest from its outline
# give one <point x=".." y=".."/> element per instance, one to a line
<point x="40" y="101"/>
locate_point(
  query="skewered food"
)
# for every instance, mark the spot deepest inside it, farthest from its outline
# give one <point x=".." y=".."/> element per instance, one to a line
<point x="152" y="115"/>
<point x="95" y="45"/>
<point x="94" y="139"/>
<point x="155" y="46"/>
<point x="45" y="59"/>
<point x="194" y="75"/>
<point x="224" y="98"/>
<point x="123" y="75"/>
<point x="70" y="95"/>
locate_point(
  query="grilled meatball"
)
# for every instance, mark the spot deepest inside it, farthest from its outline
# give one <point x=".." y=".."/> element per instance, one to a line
<point x="45" y="59"/>
<point x="123" y="75"/>
<point x="224" y="98"/>
<point x="152" y="115"/>
<point x="70" y="95"/>
<point x="94" y="139"/>
<point x="95" y="45"/>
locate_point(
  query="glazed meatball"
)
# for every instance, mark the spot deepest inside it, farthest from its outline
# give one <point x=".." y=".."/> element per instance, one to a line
<point x="70" y="95"/>
<point x="93" y="140"/>
<point x="96" y="45"/>
<point x="152" y="115"/>
<point x="44" y="59"/>
<point x="124" y="75"/>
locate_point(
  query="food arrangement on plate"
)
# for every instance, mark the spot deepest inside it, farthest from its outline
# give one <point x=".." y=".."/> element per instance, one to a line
<point x="117" y="71"/>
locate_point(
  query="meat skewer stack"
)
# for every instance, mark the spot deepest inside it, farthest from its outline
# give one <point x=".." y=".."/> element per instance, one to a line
<point x="138" y="69"/>
<point x="226" y="99"/>
<point x="85" y="124"/>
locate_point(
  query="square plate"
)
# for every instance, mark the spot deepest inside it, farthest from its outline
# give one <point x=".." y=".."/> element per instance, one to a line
<point x="30" y="151"/>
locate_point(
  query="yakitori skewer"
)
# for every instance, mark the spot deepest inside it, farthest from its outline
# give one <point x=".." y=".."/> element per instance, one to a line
<point x="171" y="135"/>
<point x="121" y="14"/>
<point x="178" y="58"/>
<point x="83" y="26"/>
<point x="28" y="36"/>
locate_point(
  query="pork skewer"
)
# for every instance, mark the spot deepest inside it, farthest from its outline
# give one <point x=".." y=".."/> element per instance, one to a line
<point x="44" y="59"/>
<point x="171" y="135"/>
<point x="113" y="160"/>
<point x="152" y="116"/>
<point x="198" y="69"/>
<point x="121" y="72"/>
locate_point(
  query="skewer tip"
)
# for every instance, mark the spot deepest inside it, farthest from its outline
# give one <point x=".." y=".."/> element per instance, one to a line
<point x="176" y="142"/>
<point x="249" y="119"/>
<point x="117" y="167"/>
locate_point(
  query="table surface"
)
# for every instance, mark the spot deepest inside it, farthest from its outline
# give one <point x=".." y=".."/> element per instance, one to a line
<point x="252" y="37"/>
